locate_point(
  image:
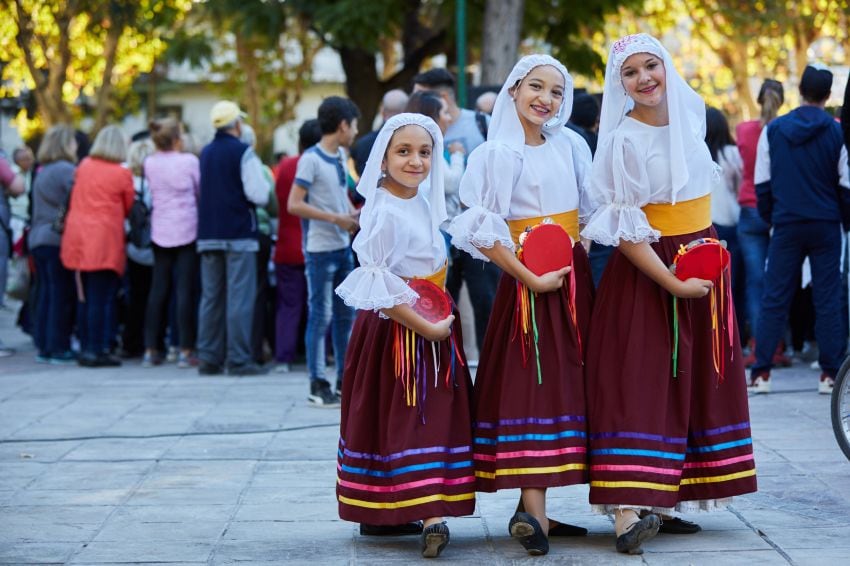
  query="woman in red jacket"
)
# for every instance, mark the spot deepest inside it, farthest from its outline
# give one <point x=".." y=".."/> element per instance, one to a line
<point x="93" y="241"/>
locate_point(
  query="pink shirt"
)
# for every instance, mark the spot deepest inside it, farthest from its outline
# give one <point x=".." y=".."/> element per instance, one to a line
<point x="747" y="134"/>
<point x="174" y="180"/>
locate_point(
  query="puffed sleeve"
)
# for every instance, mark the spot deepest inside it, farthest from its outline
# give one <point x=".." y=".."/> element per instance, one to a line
<point x="486" y="189"/>
<point x="618" y="188"/>
<point x="373" y="285"/>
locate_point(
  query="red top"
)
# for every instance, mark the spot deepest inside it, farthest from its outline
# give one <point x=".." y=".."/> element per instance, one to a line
<point x="748" y="134"/>
<point x="288" y="248"/>
<point x="101" y="197"/>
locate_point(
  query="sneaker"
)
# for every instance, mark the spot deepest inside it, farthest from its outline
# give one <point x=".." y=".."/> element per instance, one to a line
<point x="209" y="368"/>
<point x="321" y="394"/>
<point x="63" y="359"/>
<point x="759" y="382"/>
<point x="283" y="367"/>
<point x="42" y="359"/>
<point x="186" y="361"/>
<point x="338" y="389"/>
<point x="826" y="384"/>
<point x="151" y="359"/>
<point x="172" y="355"/>
<point x="6" y="352"/>
<point x="246" y="370"/>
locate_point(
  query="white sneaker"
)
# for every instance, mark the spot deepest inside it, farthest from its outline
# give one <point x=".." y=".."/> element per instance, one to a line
<point x="759" y="385"/>
<point x="283" y="367"/>
<point x="825" y="385"/>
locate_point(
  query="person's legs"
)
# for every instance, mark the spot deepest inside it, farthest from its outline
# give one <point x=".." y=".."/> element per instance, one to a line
<point x="138" y="290"/>
<point x="42" y="300"/>
<point x="482" y="278"/>
<point x="163" y="261"/>
<point x="291" y="302"/>
<point x="241" y="289"/>
<point x="824" y="248"/>
<point x="211" y="327"/>
<point x="753" y="239"/>
<point x="258" y="324"/>
<point x="59" y="302"/>
<point x="101" y="287"/>
<point x="187" y="272"/>
<point x="5" y="246"/>
<point x="785" y="256"/>
<point x="343" y="315"/>
<point x="319" y="290"/>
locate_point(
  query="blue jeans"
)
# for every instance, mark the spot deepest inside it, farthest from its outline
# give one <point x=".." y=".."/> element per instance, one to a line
<point x="54" y="300"/>
<point x="753" y="239"/>
<point x="325" y="271"/>
<point x="97" y="311"/>
<point x="789" y="246"/>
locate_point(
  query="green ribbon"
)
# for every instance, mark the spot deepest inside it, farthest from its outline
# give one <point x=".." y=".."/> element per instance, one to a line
<point x="534" y="326"/>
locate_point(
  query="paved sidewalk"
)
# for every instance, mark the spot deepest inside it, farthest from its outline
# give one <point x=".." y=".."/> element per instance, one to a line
<point x="160" y="465"/>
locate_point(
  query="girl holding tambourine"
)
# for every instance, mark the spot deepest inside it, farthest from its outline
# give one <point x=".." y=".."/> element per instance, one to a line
<point x="667" y="405"/>
<point x="528" y="400"/>
<point x="405" y="451"/>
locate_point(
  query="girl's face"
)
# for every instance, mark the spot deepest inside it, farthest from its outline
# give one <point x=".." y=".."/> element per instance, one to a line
<point x="539" y="95"/>
<point x="445" y="117"/>
<point x="408" y="160"/>
<point x="644" y="79"/>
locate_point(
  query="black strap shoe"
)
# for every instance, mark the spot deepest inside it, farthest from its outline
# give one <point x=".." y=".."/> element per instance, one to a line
<point x="434" y="539"/>
<point x="527" y="529"/>
<point x="368" y="530"/>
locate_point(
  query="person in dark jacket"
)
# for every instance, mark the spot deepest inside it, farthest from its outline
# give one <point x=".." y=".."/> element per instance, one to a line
<point x="802" y="185"/>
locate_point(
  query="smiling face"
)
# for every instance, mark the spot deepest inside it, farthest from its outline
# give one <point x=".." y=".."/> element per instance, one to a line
<point x="538" y="96"/>
<point x="644" y="79"/>
<point x="408" y="160"/>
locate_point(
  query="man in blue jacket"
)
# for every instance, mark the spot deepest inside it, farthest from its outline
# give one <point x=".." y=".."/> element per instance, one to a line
<point x="802" y="187"/>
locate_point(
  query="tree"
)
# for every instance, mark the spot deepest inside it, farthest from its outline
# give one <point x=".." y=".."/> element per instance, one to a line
<point x="72" y="50"/>
<point x="502" y="30"/>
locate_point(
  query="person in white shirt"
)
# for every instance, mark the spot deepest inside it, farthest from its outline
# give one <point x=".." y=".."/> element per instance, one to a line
<point x="667" y="431"/>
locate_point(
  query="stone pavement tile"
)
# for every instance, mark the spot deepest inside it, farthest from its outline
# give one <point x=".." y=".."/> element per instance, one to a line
<point x="332" y="530"/>
<point x="792" y="515"/>
<point x="716" y="521"/>
<point x="242" y="446"/>
<point x="217" y="495"/>
<point x="258" y="495"/>
<point x="813" y="538"/>
<point x="295" y="509"/>
<point x="13" y="531"/>
<point x="20" y="473"/>
<point x="719" y="541"/>
<point x="304" y="445"/>
<point x="305" y="547"/>
<point x="296" y="474"/>
<point x="144" y="551"/>
<point x="92" y="475"/>
<point x="823" y="556"/>
<point x="39" y="516"/>
<point x="199" y="523"/>
<point x="714" y="558"/>
<point x="198" y="474"/>
<point x="5" y="496"/>
<point x="125" y="449"/>
<point x="62" y="497"/>
<point x="35" y="451"/>
<point x="37" y="552"/>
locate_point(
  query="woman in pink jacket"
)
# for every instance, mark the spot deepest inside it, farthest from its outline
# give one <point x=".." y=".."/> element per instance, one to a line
<point x="93" y="241"/>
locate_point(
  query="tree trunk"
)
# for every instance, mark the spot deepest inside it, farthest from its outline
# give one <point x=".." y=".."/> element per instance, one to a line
<point x="732" y="59"/>
<point x="103" y="109"/>
<point x="362" y="84"/>
<point x="502" y="27"/>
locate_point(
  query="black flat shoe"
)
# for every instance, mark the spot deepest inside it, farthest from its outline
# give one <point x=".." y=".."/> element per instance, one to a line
<point x="630" y="541"/>
<point x="368" y="530"/>
<point x="530" y="534"/>
<point x="559" y="529"/>
<point x="434" y="539"/>
<point x="677" y="526"/>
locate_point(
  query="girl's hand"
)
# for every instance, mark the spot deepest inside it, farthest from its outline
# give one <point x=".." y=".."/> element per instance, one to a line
<point x="548" y="282"/>
<point x="439" y="330"/>
<point x="692" y="288"/>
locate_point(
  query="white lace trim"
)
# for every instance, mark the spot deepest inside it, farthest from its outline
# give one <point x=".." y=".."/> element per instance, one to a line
<point x="699" y="506"/>
<point x="374" y="288"/>
<point x="615" y="222"/>
<point x="478" y="227"/>
<point x="404" y="298"/>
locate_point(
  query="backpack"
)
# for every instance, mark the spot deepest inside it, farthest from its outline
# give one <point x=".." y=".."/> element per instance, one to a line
<point x="482" y="123"/>
<point x="139" y="219"/>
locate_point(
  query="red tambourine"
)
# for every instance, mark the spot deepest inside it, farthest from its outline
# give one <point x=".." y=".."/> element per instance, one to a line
<point x="546" y="247"/>
<point x="705" y="258"/>
<point x="433" y="303"/>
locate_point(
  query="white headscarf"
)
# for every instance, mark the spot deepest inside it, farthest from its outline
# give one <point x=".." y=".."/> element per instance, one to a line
<point x="505" y="126"/>
<point x="685" y="107"/>
<point x="372" y="172"/>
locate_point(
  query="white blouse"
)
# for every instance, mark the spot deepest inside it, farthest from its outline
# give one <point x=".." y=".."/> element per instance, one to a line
<point x="397" y="241"/>
<point x="630" y="170"/>
<point x="501" y="185"/>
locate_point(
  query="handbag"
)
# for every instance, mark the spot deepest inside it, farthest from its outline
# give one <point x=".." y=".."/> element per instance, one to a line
<point x="140" y="219"/>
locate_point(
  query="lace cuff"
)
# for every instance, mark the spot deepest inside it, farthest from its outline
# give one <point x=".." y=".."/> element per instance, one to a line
<point x="374" y="288"/>
<point x="614" y="222"/>
<point x="478" y="227"/>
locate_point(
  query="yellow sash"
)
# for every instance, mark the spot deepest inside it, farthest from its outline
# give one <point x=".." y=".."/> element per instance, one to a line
<point x="438" y="278"/>
<point x="567" y="220"/>
<point x="683" y="217"/>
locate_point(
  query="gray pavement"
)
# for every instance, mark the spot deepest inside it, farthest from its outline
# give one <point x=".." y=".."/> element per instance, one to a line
<point x="134" y="465"/>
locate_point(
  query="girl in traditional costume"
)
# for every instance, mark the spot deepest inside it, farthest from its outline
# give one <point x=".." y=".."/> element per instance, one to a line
<point x="405" y="449"/>
<point x="528" y="403"/>
<point x="667" y="405"/>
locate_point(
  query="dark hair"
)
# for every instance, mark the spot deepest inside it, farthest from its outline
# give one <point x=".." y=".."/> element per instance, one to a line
<point x="309" y="134"/>
<point x="771" y="97"/>
<point x="717" y="134"/>
<point x="425" y="103"/>
<point x="585" y="111"/>
<point x="335" y="110"/>
<point x="815" y="84"/>
<point x="436" y="78"/>
<point x="165" y="132"/>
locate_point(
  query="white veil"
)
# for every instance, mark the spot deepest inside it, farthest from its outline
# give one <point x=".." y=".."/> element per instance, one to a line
<point x="372" y="172"/>
<point x="686" y="108"/>
<point x="505" y="126"/>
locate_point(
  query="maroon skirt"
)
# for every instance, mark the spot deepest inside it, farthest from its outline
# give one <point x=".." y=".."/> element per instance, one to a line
<point x="530" y="428"/>
<point x="404" y="454"/>
<point x="655" y="439"/>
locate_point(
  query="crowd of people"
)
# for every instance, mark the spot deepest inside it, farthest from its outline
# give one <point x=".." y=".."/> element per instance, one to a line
<point x="152" y="249"/>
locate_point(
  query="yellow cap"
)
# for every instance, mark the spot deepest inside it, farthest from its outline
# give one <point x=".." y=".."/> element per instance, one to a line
<point x="225" y="112"/>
